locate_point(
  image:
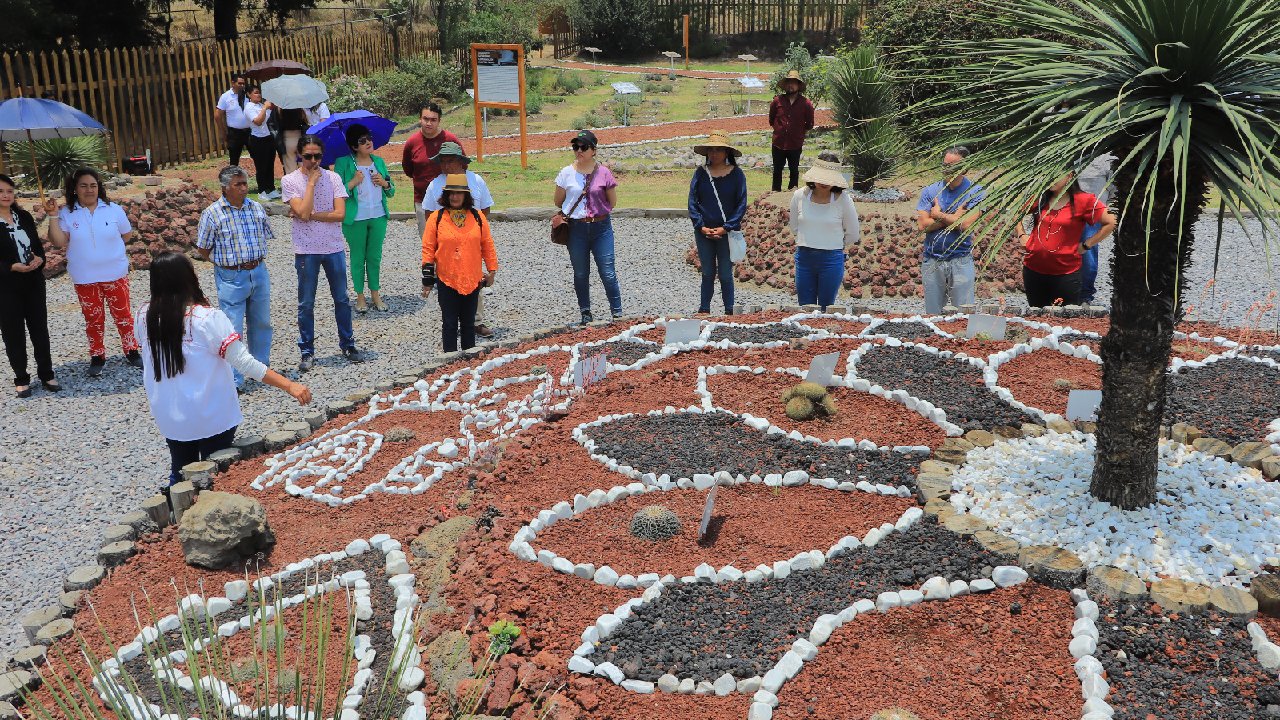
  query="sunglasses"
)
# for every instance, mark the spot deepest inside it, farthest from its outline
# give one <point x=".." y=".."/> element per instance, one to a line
<point x="365" y="139"/>
<point x="311" y="156"/>
<point x="578" y="147"/>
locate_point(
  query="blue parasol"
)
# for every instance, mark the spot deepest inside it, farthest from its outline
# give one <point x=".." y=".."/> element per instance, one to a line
<point x="332" y="131"/>
<point x="31" y="119"/>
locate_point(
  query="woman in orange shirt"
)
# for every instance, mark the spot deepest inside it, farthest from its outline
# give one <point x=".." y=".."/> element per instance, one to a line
<point x="457" y="248"/>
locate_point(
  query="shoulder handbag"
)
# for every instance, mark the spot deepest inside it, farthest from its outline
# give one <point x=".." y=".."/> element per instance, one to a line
<point x="560" y="221"/>
<point x="737" y="240"/>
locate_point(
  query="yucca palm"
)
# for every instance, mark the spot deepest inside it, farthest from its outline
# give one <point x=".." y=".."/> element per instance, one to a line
<point x="1186" y="93"/>
<point x="866" y="111"/>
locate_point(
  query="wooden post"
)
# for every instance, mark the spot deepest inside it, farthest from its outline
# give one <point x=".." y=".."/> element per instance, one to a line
<point x="157" y="508"/>
<point x="475" y="105"/>
<point x="686" y="42"/>
<point x="182" y="496"/>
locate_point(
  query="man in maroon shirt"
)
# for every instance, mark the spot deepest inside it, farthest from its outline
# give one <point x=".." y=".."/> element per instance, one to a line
<point x="791" y="117"/>
<point x="419" y="150"/>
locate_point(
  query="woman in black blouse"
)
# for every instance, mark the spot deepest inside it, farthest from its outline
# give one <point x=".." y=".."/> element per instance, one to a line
<point x="22" y="296"/>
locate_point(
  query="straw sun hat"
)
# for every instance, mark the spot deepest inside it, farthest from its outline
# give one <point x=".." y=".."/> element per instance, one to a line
<point x="793" y="75"/>
<point x="456" y="182"/>
<point x="717" y="140"/>
<point x="825" y="172"/>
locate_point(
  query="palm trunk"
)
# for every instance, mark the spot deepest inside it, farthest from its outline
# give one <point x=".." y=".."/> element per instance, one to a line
<point x="1135" y="352"/>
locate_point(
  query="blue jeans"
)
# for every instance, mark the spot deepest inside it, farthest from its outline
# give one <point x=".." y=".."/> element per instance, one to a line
<point x="818" y="276"/>
<point x="587" y="240"/>
<point x="713" y="253"/>
<point x="335" y="271"/>
<point x="1089" y="266"/>
<point x="245" y="298"/>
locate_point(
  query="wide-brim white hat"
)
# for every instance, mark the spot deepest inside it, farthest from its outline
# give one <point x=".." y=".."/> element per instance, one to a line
<point x="825" y="172"/>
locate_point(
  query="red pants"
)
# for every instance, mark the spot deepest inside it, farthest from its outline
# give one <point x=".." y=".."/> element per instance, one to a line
<point x="113" y="296"/>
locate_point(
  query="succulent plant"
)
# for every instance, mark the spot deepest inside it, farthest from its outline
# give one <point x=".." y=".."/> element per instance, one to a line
<point x="655" y="522"/>
<point x="399" y="433"/>
<point x="806" y="401"/>
<point x="1063" y="384"/>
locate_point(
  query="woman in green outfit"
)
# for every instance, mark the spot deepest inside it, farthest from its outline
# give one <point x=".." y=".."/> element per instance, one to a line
<point x="365" y="226"/>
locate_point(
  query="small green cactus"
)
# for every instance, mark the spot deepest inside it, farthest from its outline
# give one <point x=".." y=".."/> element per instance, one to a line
<point x="807" y="401"/>
<point x="655" y="523"/>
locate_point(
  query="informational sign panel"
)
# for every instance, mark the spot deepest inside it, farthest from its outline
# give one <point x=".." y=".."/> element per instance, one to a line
<point x="706" y="512"/>
<point x="993" y="326"/>
<point x="625" y="88"/>
<point x="751" y="83"/>
<point x="821" y="368"/>
<point x="1083" y="404"/>
<point x="497" y="74"/>
<point x="682" y="331"/>
<point x="590" y="370"/>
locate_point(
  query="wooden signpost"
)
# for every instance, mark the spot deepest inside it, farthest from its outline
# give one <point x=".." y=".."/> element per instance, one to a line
<point x="497" y="73"/>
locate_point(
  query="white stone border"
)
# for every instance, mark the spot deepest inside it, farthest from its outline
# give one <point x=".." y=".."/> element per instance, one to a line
<point x="924" y="408"/>
<point x="1084" y="643"/>
<point x="410" y="677"/>
<point x="991" y="375"/>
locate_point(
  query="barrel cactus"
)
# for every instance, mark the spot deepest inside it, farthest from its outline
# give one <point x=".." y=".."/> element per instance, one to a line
<point x="655" y="522"/>
<point x="807" y="401"/>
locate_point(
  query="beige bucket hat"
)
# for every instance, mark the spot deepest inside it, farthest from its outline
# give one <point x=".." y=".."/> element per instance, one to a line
<point x="825" y="172"/>
<point x="793" y="75"/>
<point x="717" y="140"/>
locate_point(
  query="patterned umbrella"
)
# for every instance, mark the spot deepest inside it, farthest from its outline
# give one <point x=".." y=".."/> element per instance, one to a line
<point x="30" y="119"/>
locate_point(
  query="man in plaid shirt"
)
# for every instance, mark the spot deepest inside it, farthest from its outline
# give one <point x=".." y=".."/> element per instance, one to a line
<point x="233" y="234"/>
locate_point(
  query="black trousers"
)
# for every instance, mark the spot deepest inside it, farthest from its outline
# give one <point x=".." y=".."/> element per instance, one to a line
<point x="237" y="141"/>
<point x="23" y="312"/>
<point x="792" y="160"/>
<point x="185" y="452"/>
<point x="1046" y="290"/>
<point x="263" y="152"/>
<point x="458" y="313"/>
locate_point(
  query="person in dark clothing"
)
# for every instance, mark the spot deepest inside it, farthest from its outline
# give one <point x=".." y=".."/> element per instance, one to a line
<point x="791" y="117"/>
<point x="717" y="202"/>
<point x="22" y="293"/>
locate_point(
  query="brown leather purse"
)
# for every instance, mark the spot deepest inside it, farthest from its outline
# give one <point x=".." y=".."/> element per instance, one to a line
<point x="560" y="221"/>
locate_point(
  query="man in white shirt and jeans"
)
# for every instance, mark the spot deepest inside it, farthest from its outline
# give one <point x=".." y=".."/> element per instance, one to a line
<point x="231" y="112"/>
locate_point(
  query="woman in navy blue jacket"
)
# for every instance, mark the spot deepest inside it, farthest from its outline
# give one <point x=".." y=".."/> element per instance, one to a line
<point x="717" y="202"/>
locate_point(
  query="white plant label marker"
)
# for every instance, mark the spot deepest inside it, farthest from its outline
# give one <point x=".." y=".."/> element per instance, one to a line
<point x="706" y="513"/>
<point x="821" y="369"/>
<point x="682" y="331"/>
<point x="992" y="326"/>
<point x="1083" y="404"/>
<point x="590" y="370"/>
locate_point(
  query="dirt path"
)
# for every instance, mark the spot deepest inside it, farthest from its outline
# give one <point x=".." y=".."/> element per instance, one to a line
<point x="645" y="69"/>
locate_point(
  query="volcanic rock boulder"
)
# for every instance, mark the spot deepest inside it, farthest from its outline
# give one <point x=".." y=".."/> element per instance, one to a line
<point x="222" y="528"/>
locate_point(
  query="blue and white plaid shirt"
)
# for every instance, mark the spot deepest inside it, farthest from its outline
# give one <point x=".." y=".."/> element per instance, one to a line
<point x="234" y="236"/>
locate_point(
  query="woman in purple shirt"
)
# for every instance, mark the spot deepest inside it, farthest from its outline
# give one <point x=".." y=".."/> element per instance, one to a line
<point x="590" y="229"/>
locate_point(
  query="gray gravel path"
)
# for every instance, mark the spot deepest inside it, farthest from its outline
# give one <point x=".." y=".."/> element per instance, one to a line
<point x="70" y="463"/>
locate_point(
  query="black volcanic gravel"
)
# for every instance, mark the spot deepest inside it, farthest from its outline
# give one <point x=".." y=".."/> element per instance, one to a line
<point x="702" y="630"/>
<point x="1077" y="338"/>
<point x="1179" y="669"/>
<point x="953" y="385"/>
<point x="684" y="444"/>
<point x="1264" y="352"/>
<point x="623" y="352"/>
<point x="909" y="330"/>
<point x="753" y="334"/>
<point x="1231" y="399"/>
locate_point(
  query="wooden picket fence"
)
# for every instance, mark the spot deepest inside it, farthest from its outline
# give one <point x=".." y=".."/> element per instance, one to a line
<point x="162" y="99"/>
<point x="746" y="17"/>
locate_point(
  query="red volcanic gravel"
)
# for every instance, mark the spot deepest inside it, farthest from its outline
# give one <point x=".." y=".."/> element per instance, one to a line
<point x="964" y="658"/>
<point x="555" y="363"/>
<point x="842" y="327"/>
<point x="859" y="415"/>
<point x="1188" y="349"/>
<point x="1031" y="378"/>
<point x="751" y="524"/>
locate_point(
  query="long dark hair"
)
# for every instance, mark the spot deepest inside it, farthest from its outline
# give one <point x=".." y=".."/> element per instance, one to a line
<point x="1046" y="198"/>
<point x="69" y="189"/>
<point x="174" y="286"/>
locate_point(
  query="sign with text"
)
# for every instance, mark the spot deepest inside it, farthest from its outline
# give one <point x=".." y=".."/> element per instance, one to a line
<point x="497" y="74"/>
<point x="993" y="326"/>
<point x="1083" y="404"/>
<point x="821" y="368"/>
<point x="706" y="512"/>
<point x="590" y="370"/>
<point x="682" y="331"/>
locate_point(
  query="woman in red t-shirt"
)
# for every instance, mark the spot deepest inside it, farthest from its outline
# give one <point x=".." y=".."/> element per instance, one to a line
<point x="1051" y="266"/>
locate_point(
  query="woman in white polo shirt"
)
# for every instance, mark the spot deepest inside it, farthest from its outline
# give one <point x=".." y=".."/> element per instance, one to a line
<point x="190" y="350"/>
<point x="94" y="231"/>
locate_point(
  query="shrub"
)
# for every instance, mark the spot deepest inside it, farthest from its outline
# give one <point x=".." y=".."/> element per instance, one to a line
<point x="866" y="110"/>
<point x="591" y="119"/>
<point x="567" y="83"/>
<point x="57" y="158"/>
<point x="813" y="72"/>
<point x="620" y="28"/>
<point x="395" y="92"/>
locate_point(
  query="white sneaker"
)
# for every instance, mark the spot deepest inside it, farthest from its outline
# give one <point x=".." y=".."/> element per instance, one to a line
<point x="264" y="197"/>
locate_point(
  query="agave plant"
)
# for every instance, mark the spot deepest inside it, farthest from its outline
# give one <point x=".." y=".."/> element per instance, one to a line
<point x="57" y="158"/>
<point x="1186" y="94"/>
<point x="866" y="112"/>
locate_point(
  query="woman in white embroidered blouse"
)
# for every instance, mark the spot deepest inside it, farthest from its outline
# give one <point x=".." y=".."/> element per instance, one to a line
<point x="825" y="222"/>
